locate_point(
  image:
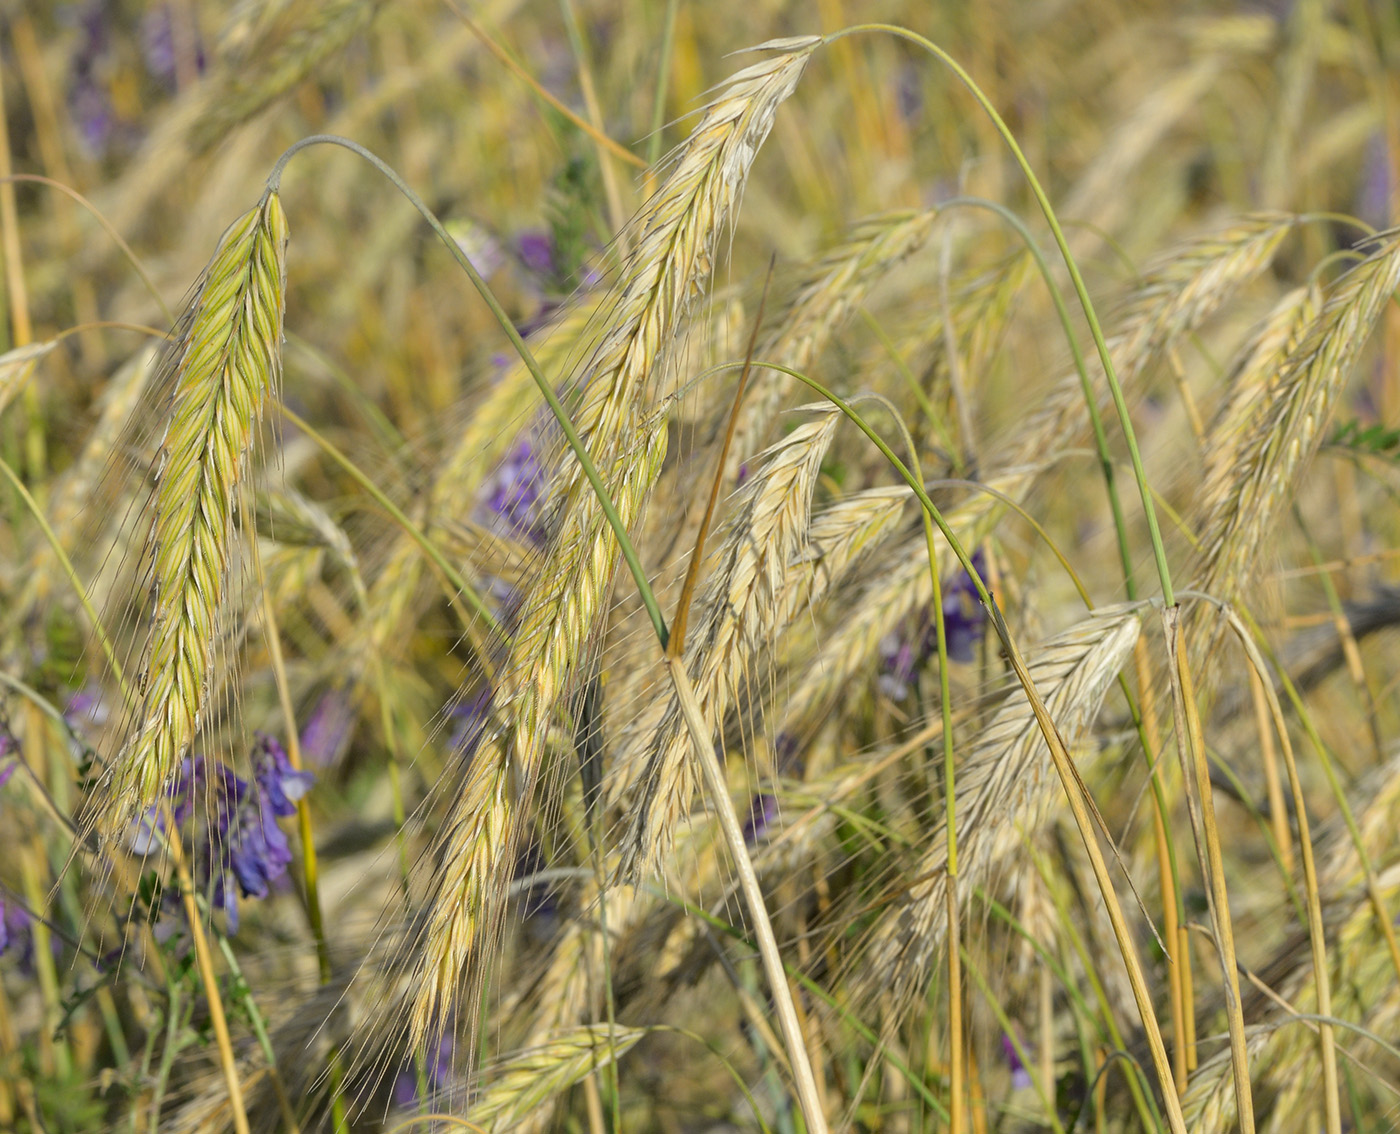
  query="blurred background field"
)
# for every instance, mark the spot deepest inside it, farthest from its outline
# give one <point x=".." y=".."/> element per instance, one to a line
<point x="1217" y="168"/>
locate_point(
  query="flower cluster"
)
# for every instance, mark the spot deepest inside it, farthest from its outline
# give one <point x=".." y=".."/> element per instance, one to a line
<point x="239" y="840"/>
<point x="905" y="651"/>
<point x="106" y="79"/>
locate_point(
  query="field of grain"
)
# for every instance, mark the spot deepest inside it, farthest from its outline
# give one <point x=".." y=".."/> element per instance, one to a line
<point x="609" y="566"/>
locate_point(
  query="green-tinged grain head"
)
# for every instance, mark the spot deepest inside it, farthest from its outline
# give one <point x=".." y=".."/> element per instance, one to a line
<point x="227" y="361"/>
<point x="1005" y="790"/>
<point x="518" y="1087"/>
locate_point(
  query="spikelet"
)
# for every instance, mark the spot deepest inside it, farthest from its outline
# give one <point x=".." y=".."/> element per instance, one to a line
<point x="228" y="361"/>
<point x="888" y="599"/>
<point x="838" y="538"/>
<point x="16" y="367"/>
<point x="267" y="56"/>
<point x="669" y="265"/>
<point x="1267" y="466"/>
<point x="829" y="290"/>
<point x="1004" y="791"/>
<point x="490" y="430"/>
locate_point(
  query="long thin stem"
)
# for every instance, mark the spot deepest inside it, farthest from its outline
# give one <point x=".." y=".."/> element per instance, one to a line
<point x="1080" y="288"/>
<point x="718" y="786"/>
<point x="556" y="407"/>
<point x="1075" y="791"/>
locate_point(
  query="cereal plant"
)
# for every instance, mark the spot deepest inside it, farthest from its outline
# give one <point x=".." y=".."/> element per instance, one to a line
<point x="637" y="565"/>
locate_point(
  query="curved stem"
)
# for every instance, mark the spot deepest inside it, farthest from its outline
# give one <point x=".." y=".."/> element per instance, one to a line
<point x="590" y="471"/>
<point x="1081" y="290"/>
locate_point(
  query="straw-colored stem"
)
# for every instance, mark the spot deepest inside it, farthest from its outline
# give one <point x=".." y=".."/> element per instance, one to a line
<point x="1200" y="804"/>
<point x="1152" y="745"/>
<point x="1316" y="932"/>
<point x="805" y="1082"/>
<point x="204" y="960"/>
<point x="1081" y="290"/>
<point x="310" y="874"/>
<point x="1075" y="791"/>
<point x="1273" y="786"/>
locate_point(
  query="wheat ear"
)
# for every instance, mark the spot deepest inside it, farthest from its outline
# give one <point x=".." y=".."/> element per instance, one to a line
<point x="228" y="361"/>
<point x="829" y="289"/>
<point x="1263" y="476"/>
<point x="491" y="429"/>
<point x="741" y="607"/>
<point x="888" y="599"/>
<point x="270" y="55"/>
<point x="669" y="265"/>
<point x="522" y="1084"/>
<point x="1004" y="792"/>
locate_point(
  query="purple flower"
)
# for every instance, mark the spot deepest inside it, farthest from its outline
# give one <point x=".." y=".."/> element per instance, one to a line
<point x="9" y="757"/>
<point x="15" y="930"/>
<point x="1373" y="196"/>
<point x="258" y="852"/>
<point x="468" y="721"/>
<point x="511" y="498"/>
<point x="158" y="45"/>
<point x="536" y="250"/>
<point x="1020" y="1077"/>
<point x="437" y="1066"/>
<point x="763" y="811"/>
<point x="279" y="783"/>
<point x="905" y="650"/>
<point x="237" y="838"/>
<point x="86" y="707"/>
<point x="326" y="734"/>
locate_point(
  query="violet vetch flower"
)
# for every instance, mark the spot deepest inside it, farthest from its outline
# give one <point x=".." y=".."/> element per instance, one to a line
<point x="9" y="757"/>
<point x="1020" y="1077"/>
<point x="468" y="721"/>
<point x="326" y="733"/>
<point x="904" y="651"/>
<point x="763" y="811"/>
<point x="536" y="251"/>
<point x="237" y="839"/>
<point x="158" y="46"/>
<point x="15" y="931"/>
<point x="1373" y="195"/>
<point x="436" y="1069"/>
<point x="279" y="784"/>
<point x="511" y="498"/>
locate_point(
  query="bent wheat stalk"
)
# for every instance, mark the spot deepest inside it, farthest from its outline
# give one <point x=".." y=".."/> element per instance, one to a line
<point x="739" y="610"/>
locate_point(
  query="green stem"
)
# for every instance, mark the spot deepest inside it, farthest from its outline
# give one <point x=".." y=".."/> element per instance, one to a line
<point x="590" y="471"/>
<point x="1081" y="290"/>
